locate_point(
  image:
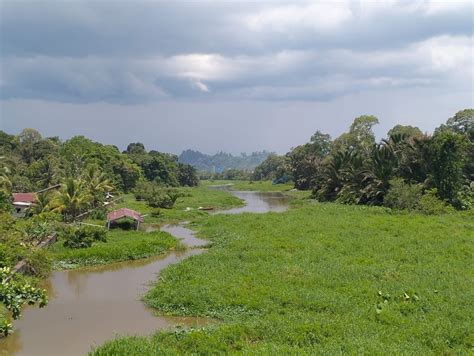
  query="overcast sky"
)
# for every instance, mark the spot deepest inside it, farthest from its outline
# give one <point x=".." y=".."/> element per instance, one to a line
<point x="233" y="76"/>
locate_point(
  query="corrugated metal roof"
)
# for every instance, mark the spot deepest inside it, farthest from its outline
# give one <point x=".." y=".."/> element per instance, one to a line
<point x="24" y="197"/>
<point x="122" y="213"/>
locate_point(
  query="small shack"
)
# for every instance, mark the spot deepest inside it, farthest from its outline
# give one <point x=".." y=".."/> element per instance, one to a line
<point x="21" y="202"/>
<point x="124" y="213"/>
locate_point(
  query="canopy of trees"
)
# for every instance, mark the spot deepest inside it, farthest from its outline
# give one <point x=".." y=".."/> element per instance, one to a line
<point x="86" y="170"/>
<point x="355" y="169"/>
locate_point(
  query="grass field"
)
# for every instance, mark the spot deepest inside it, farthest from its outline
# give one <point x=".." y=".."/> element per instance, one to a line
<point x="321" y="278"/>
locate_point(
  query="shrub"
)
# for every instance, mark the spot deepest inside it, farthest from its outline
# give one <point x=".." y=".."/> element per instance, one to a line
<point x="155" y="213"/>
<point x="5" y="202"/>
<point x="163" y="198"/>
<point x="160" y="200"/>
<point x="403" y="196"/>
<point x="98" y="214"/>
<point x="465" y="197"/>
<point x="82" y="236"/>
<point x="143" y="190"/>
<point x="430" y="204"/>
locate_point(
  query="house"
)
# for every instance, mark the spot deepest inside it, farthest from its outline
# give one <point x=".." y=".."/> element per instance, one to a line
<point x="21" y="202"/>
<point x="124" y="213"/>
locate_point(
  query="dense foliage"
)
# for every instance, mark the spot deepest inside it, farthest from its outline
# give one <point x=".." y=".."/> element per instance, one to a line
<point x="18" y="239"/>
<point x="221" y="161"/>
<point x="355" y="169"/>
<point x="85" y="170"/>
<point x="82" y="236"/>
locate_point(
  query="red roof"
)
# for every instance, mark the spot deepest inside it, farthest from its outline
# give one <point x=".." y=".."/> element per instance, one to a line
<point x="122" y="213"/>
<point x="24" y="197"/>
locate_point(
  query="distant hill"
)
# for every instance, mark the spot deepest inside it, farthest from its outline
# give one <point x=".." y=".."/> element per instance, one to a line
<point x="222" y="161"/>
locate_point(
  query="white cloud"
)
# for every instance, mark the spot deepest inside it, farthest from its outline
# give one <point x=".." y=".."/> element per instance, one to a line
<point x="315" y="16"/>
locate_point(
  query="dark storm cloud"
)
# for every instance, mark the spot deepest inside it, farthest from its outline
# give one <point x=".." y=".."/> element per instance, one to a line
<point x="132" y="52"/>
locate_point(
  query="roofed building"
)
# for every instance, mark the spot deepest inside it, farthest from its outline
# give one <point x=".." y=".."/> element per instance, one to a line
<point x="124" y="213"/>
<point x="21" y="202"/>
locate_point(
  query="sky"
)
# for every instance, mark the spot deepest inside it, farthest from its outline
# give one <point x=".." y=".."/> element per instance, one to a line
<point x="236" y="76"/>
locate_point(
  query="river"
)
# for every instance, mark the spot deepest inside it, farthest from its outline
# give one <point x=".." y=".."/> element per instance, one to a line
<point x="88" y="306"/>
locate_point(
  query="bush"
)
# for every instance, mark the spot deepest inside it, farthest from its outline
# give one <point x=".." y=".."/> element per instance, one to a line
<point x="160" y="200"/>
<point x="163" y="198"/>
<point x="430" y="204"/>
<point x="143" y="190"/>
<point x="465" y="197"/>
<point x="98" y="214"/>
<point x="82" y="236"/>
<point x="403" y="196"/>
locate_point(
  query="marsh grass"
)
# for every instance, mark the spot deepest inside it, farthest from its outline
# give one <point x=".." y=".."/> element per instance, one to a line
<point x="121" y="245"/>
<point x="321" y="278"/>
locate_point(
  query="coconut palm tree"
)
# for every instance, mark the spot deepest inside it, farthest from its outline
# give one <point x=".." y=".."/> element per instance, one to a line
<point x="96" y="184"/>
<point x="71" y="199"/>
<point x="43" y="203"/>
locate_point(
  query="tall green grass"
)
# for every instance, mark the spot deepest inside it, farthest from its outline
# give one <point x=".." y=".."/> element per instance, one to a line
<point x="120" y="246"/>
<point x="321" y="279"/>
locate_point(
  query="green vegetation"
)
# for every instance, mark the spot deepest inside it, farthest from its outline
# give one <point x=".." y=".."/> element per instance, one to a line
<point x="18" y="240"/>
<point x="321" y="278"/>
<point x="355" y="169"/>
<point x="121" y="245"/>
<point x="186" y="206"/>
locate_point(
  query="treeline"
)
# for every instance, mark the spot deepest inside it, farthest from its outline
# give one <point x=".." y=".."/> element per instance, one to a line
<point x="406" y="167"/>
<point x="221" y="161"/>
<point x="87" y="170"/>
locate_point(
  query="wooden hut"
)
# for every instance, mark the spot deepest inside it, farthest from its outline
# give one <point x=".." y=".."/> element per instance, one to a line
<point x="124" y="213"/>
<point x="21" y="202"/>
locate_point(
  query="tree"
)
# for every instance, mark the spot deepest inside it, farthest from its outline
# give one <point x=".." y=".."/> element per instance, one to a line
<point x="448" y="153"/>
<point x="463" y="122"/>
<point x="96" y="184"/>
<point x="44" y="173"/>
<point x="404" y="130"/>
<point x="136" y="148"/>
<point x="360" y="136"/>
<point x="187" y="175"/>
<point x="27" y="139"/>
<point x="71" y="199"/>
<point x="273" y="167"/>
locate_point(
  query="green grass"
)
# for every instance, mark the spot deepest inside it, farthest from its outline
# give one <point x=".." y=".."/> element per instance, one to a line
<point x="261" y="186"/>
<point x="120" y="246"/>
<point x="194" y="198"/>
<point x="130" y="245"/>
<point x="321" y="279"/>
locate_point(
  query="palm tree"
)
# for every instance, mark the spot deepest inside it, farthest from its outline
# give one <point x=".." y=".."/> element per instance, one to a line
<point x="71" y="200"/>
<point x="42" y="203"/>
<point x="96" y="185"/>
<point x="5" y="182"/>
<point x="48" y="173"/>
<point x="381" y="168"/>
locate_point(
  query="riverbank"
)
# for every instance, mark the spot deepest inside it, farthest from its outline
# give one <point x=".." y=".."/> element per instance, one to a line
<point x="90" y="305"/>
<point x="320" y="278"/>
<point x="123" y="245"/>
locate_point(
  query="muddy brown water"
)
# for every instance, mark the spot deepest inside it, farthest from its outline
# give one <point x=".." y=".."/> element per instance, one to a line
<point x="91" y="305"/>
